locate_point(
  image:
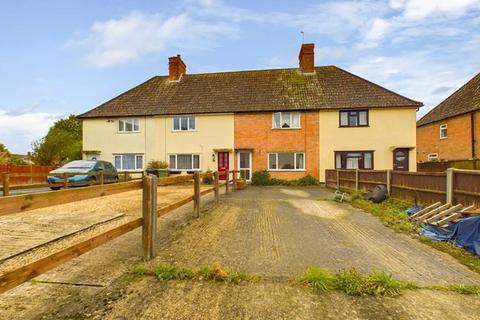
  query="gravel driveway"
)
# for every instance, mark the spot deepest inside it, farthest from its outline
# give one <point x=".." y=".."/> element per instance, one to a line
<point x="274" y="231"/>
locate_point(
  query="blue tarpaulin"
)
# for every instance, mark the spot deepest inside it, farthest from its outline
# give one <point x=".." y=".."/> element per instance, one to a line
<point x="465" y="234"/>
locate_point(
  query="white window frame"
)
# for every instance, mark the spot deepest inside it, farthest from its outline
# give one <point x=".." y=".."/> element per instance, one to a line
<point x="122" y="157"/>
<point x="432" y="157"/>
<point x="185" y="154"/>
<point x="294" y="161"/>
<point x="125" y="120"/>
<point x="444" y="127"/>
<point x="291" y="120"/>
<point x="180" y="124"/>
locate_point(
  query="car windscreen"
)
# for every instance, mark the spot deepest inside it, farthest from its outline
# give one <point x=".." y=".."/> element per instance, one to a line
<point x="79" y="165"/>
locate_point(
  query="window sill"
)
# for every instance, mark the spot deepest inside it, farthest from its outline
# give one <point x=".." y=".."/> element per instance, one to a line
<point x="443" y="138"/>
<point x="176" y="131"/>
<point x="366" y="126"/>
<point x="299" y="128"/>
<point x="286" y="170"/>
<point x="128" y="132"/>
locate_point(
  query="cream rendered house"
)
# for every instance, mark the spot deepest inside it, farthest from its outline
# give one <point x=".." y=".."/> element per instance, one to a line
<point x="291" y="122"/>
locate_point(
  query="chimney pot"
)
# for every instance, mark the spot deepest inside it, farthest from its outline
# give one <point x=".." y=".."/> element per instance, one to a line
<point x="306" y="58"/>
<point x="176" y="68"/>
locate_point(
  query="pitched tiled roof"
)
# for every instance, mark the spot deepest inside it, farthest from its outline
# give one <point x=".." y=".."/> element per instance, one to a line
<point x="263" y="90"/>
<point x="464" y="100"/>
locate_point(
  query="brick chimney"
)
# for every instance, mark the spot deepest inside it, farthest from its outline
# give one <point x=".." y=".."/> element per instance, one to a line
<point x="176" y="67"/>
<point x="306" y="58"/>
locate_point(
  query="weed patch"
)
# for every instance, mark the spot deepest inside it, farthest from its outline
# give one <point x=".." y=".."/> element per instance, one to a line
<point x="353" y="283"/>
<point x="319" y="279"/>
<point x="168" y="272"/>
<point x="460" y="288"/>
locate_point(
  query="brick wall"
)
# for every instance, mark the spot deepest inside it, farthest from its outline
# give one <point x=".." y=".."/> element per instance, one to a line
<point x="254" y="131"/>
<point x="458" y="144"/>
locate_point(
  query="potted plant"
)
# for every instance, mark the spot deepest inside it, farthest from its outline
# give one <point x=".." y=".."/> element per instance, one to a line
<point x="158" y="168"/>
<point x="241" y="184"/>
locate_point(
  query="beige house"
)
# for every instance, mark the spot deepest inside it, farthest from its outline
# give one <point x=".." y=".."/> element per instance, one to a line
<point x="291" y="122"/>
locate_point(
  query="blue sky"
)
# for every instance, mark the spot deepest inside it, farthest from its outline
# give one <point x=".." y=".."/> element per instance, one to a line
<point x="62" y="57"/>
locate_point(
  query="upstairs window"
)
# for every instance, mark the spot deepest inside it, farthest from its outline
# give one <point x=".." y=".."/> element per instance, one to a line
<point x="184" y="123"/>
<point x="128" y="125"/>
<point x="354" y="160"/>
<point x="443" y="131"/>
<point x="286" y="120"/>
<point x="354" y="118"/>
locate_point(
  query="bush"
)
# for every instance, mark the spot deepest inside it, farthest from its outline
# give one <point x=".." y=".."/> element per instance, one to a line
<point x="261" y="178"/>
<point x="208" y="179"/>
<point x="307" y="181"/>
<point x="156" y="164"/>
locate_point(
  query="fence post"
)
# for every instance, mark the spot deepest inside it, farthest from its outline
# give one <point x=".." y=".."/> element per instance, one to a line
<point x="449" y="188"/>
<point x="196" y="194"/>
<point x="217" y="193"/>
<point x="356" y="180"/>
<point x="65" y="180"/>
<point x="149" y="210"/>
<point x="234" y="180"/>
<point x="227" y="180"/>
<point x="125" y="176"/>
<point x="6" y="183"/>
<point x="389" y="181"/>
<point x="338" y="180"/>
<point x="101" y="177"/>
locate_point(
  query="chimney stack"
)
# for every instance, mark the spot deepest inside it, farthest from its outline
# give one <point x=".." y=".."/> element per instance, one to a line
<point x="306" y="58"/>
<point x="176" y="67"/>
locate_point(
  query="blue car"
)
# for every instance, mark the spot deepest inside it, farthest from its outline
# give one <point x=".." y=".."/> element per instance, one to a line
<point x="83" y="166"/>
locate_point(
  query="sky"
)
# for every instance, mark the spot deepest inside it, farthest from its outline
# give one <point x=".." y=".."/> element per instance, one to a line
<point x="66" y="57"/>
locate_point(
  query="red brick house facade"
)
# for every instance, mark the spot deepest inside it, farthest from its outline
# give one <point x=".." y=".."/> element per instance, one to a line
<point x="451" y="130"/>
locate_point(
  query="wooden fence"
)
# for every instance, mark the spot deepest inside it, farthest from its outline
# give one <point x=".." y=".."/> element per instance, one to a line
<point x="30" y="174"/>
<point x="148" y="220"/>
<point x="440" y="166"/>
<point x="96" y="178"/>
<point x="452" y="186"/>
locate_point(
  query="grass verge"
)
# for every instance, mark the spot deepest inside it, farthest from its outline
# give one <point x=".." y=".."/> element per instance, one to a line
<point x="464" y="257"/>
<point x="391" y="212"/>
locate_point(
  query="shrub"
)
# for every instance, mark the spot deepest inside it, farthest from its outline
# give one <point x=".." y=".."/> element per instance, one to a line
<point x="155" y="164"/>
<point x="307" y="181"/>
<point x="261" y="178"/>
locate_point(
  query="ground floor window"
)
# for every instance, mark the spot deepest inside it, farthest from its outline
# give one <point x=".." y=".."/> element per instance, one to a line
<point x="354" y="159"/>
<point x="128" y="161"/>
<point x="286" y="161"/>
<point x="184" y="162"/>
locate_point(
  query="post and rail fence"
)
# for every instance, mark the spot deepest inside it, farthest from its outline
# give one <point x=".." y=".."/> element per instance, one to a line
<point x="148" y="222"/>
<point x="452" y="186"/>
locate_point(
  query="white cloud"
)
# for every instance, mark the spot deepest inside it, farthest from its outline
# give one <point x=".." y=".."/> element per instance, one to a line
<point x="20" y="129"/>
<point x="138" y="34"/>
<point x="421" y="9"/>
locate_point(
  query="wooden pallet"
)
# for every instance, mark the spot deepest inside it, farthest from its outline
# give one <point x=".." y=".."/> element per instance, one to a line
<point x="440" y="215"/>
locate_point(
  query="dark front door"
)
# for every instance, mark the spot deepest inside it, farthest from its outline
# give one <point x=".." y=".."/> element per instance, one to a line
<point x="223" y="162"/>
<point x="400" y="159"/>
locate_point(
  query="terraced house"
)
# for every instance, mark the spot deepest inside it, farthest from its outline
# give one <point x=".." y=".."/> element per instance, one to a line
<point x="291" y="122"/>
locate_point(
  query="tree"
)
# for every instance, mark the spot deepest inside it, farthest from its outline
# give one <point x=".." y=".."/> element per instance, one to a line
<point x="62" y="143"/>
<point x="6" y="157"/>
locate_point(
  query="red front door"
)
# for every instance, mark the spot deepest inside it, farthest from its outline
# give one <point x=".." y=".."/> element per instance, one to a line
<point x="223" y="164"/>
